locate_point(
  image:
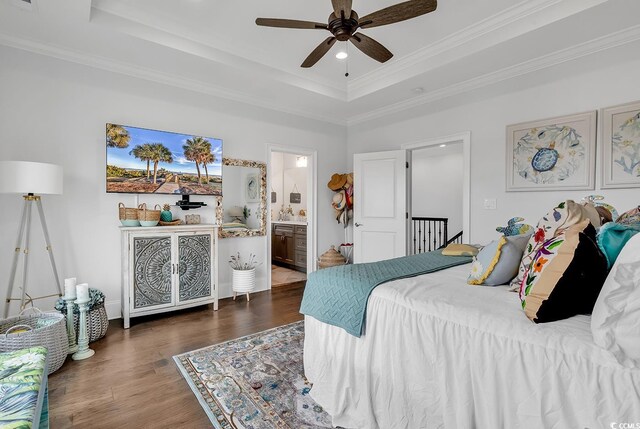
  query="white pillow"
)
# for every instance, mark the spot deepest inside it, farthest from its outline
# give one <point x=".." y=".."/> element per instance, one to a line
<point x="615" y="322"/>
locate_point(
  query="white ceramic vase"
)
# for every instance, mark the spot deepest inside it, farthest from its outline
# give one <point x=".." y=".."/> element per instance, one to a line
<point x="244" y="282"/>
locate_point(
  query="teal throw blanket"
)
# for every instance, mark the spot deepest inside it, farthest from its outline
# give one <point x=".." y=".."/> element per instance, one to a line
<point x="338" y="295"/>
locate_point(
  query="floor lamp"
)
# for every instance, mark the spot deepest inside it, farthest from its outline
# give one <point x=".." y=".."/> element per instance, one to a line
<point x="31" y="179"/>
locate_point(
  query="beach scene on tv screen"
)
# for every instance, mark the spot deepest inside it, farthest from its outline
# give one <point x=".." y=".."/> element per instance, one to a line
<point x="160" y="162"/>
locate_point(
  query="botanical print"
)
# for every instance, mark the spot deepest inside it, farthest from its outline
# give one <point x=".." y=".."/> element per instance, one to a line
<point x="621" y="146"/>
<point x="557" y="153"/>
<point x="626" y="146"/>
<point x="549" y="154"/>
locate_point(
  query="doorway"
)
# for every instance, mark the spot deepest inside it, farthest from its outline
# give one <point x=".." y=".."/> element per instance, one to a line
<point x="291" y="213"/>
<point x="439" y="193"/>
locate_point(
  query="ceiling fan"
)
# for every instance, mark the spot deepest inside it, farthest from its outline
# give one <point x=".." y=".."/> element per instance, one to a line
<point x="344" y="23"/>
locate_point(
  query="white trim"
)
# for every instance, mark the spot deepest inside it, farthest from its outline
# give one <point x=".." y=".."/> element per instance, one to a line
<point x="127" y="69"/>
<point x="521" y="18"/>
<point x="465" y="138"/>
<point x="312" y="210"/>
<point x="590" y="47"/>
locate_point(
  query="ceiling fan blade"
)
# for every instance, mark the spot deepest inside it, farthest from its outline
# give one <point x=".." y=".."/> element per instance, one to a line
<point x="319" y="52"/>
<point x="398" y="12"/>
<point x="340" y="6"/>
<point x="290" y="23"/>
<point x="370" y="47"/>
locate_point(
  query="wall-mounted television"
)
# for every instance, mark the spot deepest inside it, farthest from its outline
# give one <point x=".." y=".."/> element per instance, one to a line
<point x="143" y="161"/>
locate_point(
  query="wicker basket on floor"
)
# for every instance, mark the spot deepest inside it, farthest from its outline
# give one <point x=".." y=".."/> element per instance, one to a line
<point x="97" y="322"/>
<point x="38" y="329"/>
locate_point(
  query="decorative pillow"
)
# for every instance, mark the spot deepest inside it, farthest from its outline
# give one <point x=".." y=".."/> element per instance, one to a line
<point x="631" y="217"/>
<point x="515" y="228"/>
<point x="497" y="263"/>
<point x="565" y="276"/>
<point x="563" y="216"/>
<point x="607" y="211"/>
<point x="455" y="249"/>
<point x="615" y="323"/>
<point x="612" y="237"/>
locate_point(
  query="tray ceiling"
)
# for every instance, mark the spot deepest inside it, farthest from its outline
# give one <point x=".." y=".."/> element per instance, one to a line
<point x="214" y="47"/>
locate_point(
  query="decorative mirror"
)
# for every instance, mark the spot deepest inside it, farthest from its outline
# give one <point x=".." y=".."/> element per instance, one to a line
<point x="243" y="212"/>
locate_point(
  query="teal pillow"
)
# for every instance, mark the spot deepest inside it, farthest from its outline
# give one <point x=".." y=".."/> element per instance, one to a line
<point x="498" y="262"/>
<point x="612" y="237"/>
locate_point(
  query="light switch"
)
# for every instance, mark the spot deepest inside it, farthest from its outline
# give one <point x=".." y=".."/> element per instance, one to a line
<point x="490" y="204"/>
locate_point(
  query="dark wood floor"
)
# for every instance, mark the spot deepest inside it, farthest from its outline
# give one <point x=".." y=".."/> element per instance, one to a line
<point x="132" y="380"/>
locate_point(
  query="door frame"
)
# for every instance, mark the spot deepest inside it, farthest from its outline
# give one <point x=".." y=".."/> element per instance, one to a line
<point x="312" y="208"/>
<point x="465" y="138"/>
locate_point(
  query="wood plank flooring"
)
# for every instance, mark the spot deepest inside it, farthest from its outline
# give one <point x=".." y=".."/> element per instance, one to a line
<point x="132" y="380"/>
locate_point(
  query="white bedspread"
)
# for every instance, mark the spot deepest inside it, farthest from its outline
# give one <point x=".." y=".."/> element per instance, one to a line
<point x="439" y="353"/>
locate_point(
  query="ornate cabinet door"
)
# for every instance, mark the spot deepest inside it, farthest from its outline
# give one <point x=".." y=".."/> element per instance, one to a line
<point x="194" y="266"/>
<point x="152" y="272"/>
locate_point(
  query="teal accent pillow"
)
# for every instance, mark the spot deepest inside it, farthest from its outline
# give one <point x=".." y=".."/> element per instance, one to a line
<point x="613" y="236"/>
<point x="498" y="262"/>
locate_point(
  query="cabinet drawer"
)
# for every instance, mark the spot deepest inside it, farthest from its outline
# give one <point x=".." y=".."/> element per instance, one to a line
<point x="301" y="244"/>
<point x="301" y="259"/>
<point x="301" y="229"/>
<point x="286" y="230"/>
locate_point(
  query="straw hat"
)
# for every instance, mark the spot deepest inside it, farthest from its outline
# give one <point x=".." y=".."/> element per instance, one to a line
<point x="350" y="178"/>
<point x="337" y="181"/>
<point x="339" y="200"/>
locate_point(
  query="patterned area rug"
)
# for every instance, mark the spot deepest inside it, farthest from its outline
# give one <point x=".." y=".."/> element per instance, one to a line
<point x="254" y="382"/>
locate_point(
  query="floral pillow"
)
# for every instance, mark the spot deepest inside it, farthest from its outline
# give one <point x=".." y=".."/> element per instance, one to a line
<point x="565" y="276"/>
<point x="632" y="217"/>
<point x="515" y="228"/>
<point x="563" y="216"/>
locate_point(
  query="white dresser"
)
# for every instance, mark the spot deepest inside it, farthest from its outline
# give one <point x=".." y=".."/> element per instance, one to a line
<point x="167" y="268"/>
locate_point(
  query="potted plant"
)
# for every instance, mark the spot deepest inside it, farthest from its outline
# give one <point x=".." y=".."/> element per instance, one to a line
<point x="244" y="274"/>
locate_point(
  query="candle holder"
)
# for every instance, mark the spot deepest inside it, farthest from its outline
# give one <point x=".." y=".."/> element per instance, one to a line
<point x="71" y="330"/>
<point x="84" y="351"/>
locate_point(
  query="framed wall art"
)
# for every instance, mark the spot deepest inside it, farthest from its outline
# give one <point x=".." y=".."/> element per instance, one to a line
<point x="552" y="154"/>
<point x="621" y="146"/>
<point x="252" y="188"/>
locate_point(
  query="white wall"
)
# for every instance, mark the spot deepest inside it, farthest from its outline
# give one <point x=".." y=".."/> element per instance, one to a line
<point x="516" y="101"/>
<point x="53" y="111"/>
<point x="431" y="195"/>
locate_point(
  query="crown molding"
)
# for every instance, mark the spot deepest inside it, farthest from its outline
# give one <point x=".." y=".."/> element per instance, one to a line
<point x="489" y="32"/>
<point x="591" y="47"/>
<point x="241" y="57"/>
<point x="123" y="68"/>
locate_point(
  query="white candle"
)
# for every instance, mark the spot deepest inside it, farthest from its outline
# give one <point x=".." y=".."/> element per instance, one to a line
<point x="70" y="288"/>
<point x="83" y="291"/>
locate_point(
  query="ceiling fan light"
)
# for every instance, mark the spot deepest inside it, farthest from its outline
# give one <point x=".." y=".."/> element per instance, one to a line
<point x="342" y="55"/>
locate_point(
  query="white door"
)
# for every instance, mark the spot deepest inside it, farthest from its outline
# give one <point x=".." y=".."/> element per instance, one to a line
<point x="380" y="205"/>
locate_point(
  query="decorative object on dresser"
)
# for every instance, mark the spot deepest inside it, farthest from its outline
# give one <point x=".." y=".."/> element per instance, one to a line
<point x="244" y="274"/>
<point x="128" y="216"/>
<point x="97" y="319"/>
<point x="552" y="154"/>
<point x="245" y="187"/>
<point x="149" y="217"/>
<point x="168" y="268"/>
<point x="289" y="245"/>
<point x="621" y="146"/>
<point x="30" y="178"/>
<point x="192" y="219"/>
<point x="165" y="214"/>
<point x="37" y="329"/>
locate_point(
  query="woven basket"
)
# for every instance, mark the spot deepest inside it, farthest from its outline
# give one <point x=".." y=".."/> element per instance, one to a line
<point x="97" y="322"/>
<point x="145" y="215"/>
<point x="127" y="213"/>
<point x="42" y="329"/>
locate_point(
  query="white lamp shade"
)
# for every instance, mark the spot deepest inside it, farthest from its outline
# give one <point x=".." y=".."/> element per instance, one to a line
<point x="235" y="211"/>
<point x="24" y="177"/>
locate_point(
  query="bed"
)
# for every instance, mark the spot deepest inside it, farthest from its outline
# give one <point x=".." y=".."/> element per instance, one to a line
<point x="437" y="352"/>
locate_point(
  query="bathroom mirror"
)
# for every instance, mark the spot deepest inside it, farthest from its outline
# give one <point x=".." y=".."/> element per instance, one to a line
<point x="244" y="201"/>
